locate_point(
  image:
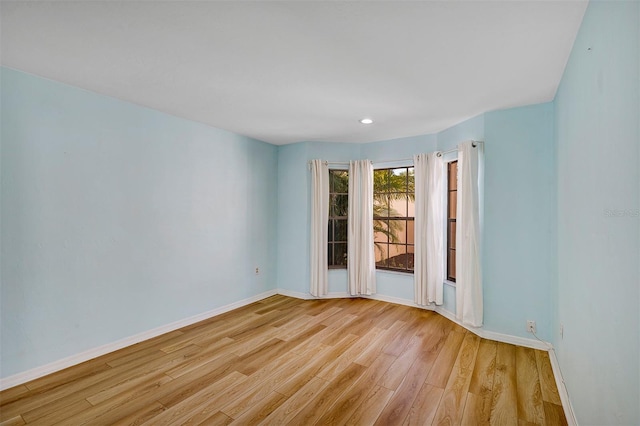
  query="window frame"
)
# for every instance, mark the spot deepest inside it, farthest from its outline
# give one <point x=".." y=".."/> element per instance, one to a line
<point x="453" y="158"/>
<point x="406" y="218"/>
<point x="331" y="223"/>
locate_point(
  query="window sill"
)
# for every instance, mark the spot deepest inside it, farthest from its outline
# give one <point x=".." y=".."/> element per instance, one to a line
<point x="450" y="283"/>
<point x="389" y="271"/>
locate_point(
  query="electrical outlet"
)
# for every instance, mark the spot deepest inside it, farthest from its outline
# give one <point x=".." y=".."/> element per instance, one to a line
<point x="531" y="326"/>
<point x="561" y="331"/>
<point x="257" y="271"/>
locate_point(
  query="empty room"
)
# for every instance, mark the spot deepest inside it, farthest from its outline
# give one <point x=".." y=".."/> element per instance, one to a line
<point x="320" y="212"/>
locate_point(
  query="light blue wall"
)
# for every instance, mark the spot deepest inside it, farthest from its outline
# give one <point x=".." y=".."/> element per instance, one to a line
<point x="471" y="129"/>
<point x="117" y="219"/>
<point x="598" y="144"/>
<point x="519" y="220"/>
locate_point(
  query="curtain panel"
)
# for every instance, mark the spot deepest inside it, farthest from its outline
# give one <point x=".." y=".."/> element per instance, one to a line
<point x="360" y="252"/>
<point x="319" y="228"/>
<point x="469" y="304"/>
<point x="429" y="228"/>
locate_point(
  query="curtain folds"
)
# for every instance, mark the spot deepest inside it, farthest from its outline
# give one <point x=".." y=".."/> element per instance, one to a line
<point x="360" y="255"/>
<point x="319" y="227"/>
<point x="469" y="305"/>
<point x="429" y="228"/>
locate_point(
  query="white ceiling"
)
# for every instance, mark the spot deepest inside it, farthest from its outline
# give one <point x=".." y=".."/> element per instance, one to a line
<point x="289" y="71"/>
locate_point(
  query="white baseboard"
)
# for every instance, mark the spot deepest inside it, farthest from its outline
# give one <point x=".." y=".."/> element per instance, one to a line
<point x="398" y="301"/>
<point x="495" y="336"/>
<point x="308" y="296"/>
<point x="26" y="376"/>
<point x="562" y="390"/>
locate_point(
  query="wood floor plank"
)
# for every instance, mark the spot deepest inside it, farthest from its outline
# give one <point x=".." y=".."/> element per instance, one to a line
<point x="504" y="405"/>
<point x="344" y="408"/>
<point x="264" y="381"/>
<point x="185" y="408"/>
<point x="323" y="400"/>
<point x="375" y="346"/>
<point x="13" y="421"/>
<point x="150" y="410"/>
<point x="451" y="407"/>
<point x="288" y="361"/>
<point x="212" y="353"/>
<point x="193" y="382"/>
<point x="216" y="419"/>
<point x="296" y="402"/>
<point x="477" y="409"/>
<point x="77" y="372"/>
<point x="59" y="415"/>
<point x="367" y="412"/>
<point x="332" y="369"/>
<point x="423" y="409"/>
<point x="15" y="393"/>
<point x="334" y="331"/>
<point x="530" y="404"/>
<point x="554" y="414"/>
<point x="485" y="368"/>
<point x="398" y="342"/>
<point x="446" y="359"/>
<point x="153" y="379"/>
<point x="260" y="409"/>
<point x="396" y="373"/>
<point x="547" y="379"/>
<point x="399" y="406"/>
<point x="297" y="380"/>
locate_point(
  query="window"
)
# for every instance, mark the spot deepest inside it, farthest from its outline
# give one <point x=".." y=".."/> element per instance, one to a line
<point x="393" y="218"/>
<point x="338" y="213"/>
<point x="452" y="203"/>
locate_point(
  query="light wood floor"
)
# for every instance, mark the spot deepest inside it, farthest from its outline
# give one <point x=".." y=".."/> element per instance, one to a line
<point x="288" y="361"/>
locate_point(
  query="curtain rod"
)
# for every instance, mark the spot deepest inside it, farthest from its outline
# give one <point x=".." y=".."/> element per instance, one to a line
<point x="440" y="154"/>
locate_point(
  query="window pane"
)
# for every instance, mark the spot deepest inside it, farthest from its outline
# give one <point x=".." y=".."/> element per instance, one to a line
<point x="339" y="205"/>
<point x="398" y="180"/>
<point x="451" y="265"/>
<point x="382" y="253"/>
<point x="453" y="175"/>
<point x="453" y="204"/>
<point x="338" y="181"/>
<point x="451" y="237"/>
<point x="398" y="230"/>
<point x="398" y="205"/>
<point x="397" y="256"/>
<point x="380" y="230"/>
<point x="340" y="230"/>
<point x="340" y="254"/>
<point x="330" y="255"/>
<point x="380" y="205"/>
<point x="330" y="234"/>
<point x="411" y="232"/>
<point x="380" y="180"/>
<point x="410" y="256"/>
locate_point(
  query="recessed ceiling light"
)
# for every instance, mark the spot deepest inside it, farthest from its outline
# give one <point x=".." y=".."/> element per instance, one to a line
<point x="366" y="121"/>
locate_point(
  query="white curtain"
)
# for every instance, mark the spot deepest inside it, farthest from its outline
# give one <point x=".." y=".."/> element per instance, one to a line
<point x="319" y="226"/>
<point x="429" y="227"/>
<point x="360" y="256"/>
<point x="468" y="268"/>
